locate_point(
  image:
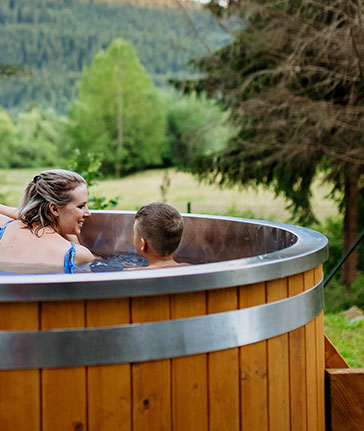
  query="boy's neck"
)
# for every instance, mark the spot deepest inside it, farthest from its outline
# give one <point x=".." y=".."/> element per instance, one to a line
<point x="161" y="261"/>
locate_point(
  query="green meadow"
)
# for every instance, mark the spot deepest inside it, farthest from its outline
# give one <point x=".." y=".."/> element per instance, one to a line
<point x="348" y="337"/>
<point x="135" y="190"/>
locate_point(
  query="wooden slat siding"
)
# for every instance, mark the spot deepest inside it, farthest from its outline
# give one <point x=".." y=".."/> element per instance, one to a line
<point x="19" y="389"/>
<point x="297" y="359"/>
<point x="189" y="374"/>
<point x="320" y="351"/>
<point x="333" y="358"/>
<point x="346" y="399"/>
<point x="278" y="367"/>
<point x="311" y="363"/>
<point x="109" y="386"/>
<point x="63" y="389"/>
<point x="253" y="366"/>
<point x="223" y="370"/>
<point x="151" y="381"/>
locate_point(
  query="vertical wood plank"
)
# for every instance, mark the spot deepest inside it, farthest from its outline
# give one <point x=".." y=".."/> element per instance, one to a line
<point x="311" y="363"/>
<point x="253" y="365"/>
<point x="19" y="389"/>
<point x="320" y="351"/>
<point x="223" y="371"/>
<point x="278" y="366"/>
<point x="152" y="405"/>
<point x="189" y="374"/>
<point x="297" y="365"/>
<point x="63" y="389"/>
<point x="109" y="386"/>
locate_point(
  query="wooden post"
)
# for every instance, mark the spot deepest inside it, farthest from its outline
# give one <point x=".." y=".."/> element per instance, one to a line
<point x="345" y="398"/>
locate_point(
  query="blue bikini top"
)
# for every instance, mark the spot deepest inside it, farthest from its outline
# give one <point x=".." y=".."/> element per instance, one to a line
<point x="69" y="257"/>
<point x="2" y="229"/>
<point x="69" y="260"/>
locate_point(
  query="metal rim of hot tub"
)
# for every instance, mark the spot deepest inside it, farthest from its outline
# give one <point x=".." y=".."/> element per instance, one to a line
<point x="308" y="251"/>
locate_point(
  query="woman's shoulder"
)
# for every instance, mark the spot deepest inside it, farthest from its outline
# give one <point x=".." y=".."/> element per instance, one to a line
<point x="83" y="254"/>
<point x="4" y="219"/>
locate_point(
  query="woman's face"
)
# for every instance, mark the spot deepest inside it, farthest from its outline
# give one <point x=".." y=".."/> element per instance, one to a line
<point x="71" y="217"/>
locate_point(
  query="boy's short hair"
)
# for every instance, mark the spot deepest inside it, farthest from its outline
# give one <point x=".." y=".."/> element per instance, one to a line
<point x="161" y="225"/>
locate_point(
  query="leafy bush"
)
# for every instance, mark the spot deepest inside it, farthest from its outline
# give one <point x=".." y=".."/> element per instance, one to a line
<point x="91" y="174"/>
<point x="7" y="138"/>
<point x="35" y="139"/>
<point x="196" y="126"/>
<point x="337" y="298"/>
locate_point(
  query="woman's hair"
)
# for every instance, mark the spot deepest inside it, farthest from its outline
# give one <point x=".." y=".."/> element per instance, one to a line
<point x="53" y="186"/>
<point x="161" y="225"/>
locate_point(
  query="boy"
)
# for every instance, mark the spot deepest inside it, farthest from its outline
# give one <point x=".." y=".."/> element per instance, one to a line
<point x="158" y="231"/>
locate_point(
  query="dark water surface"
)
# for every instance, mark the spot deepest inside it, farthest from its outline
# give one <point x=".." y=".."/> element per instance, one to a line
<point x="118" y="262"/>
<point x="106" y="263"/>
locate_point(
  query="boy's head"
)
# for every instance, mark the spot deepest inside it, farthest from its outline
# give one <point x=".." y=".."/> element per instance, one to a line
<point x="160" y="225"/>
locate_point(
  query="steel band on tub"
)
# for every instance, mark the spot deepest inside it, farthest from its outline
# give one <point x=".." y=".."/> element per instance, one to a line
<point x="158" y="340"/>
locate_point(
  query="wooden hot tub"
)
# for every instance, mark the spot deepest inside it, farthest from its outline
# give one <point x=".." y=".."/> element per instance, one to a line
<point x="236" y="343"/>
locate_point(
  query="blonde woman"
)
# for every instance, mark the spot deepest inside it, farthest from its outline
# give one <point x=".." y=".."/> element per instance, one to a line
<point x="41" y="234"/>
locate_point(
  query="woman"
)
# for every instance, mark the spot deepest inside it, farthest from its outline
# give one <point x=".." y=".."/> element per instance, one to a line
<point x="41" y="234"/>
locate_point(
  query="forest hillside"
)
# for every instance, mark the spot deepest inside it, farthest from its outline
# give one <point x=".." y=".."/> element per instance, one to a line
<point x="149" y="3"/>
<point x="56" y="39"/>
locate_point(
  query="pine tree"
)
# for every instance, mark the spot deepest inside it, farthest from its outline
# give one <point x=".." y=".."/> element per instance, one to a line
<point x="293" y="78"/>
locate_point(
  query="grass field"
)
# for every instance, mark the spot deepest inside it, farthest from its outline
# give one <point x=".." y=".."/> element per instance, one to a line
<point x="138" y="189"/>
<point x="348" y="338"/>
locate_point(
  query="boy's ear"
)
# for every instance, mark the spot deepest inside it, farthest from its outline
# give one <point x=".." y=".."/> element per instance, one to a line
<point x="144" y="244"/>
<point x="53" y="208"/>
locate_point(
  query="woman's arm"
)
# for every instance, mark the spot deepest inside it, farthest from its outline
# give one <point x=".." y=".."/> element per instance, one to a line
<point x="11" y="212"/>
<point x="83" y="255"/>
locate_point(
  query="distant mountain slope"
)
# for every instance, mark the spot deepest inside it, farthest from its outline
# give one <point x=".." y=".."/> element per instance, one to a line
<point x="147" y="3"/>
<point x="56" y="39"/>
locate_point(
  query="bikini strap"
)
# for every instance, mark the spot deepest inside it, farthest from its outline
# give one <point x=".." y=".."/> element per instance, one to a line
<point x="2" y="229"/>
<point x="69" y="259"/>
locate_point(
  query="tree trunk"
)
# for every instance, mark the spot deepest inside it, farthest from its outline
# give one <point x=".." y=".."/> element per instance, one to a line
<point x="119" y="114"/>
<point x="350" y="228"/>
<point x="120" y="133"/>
